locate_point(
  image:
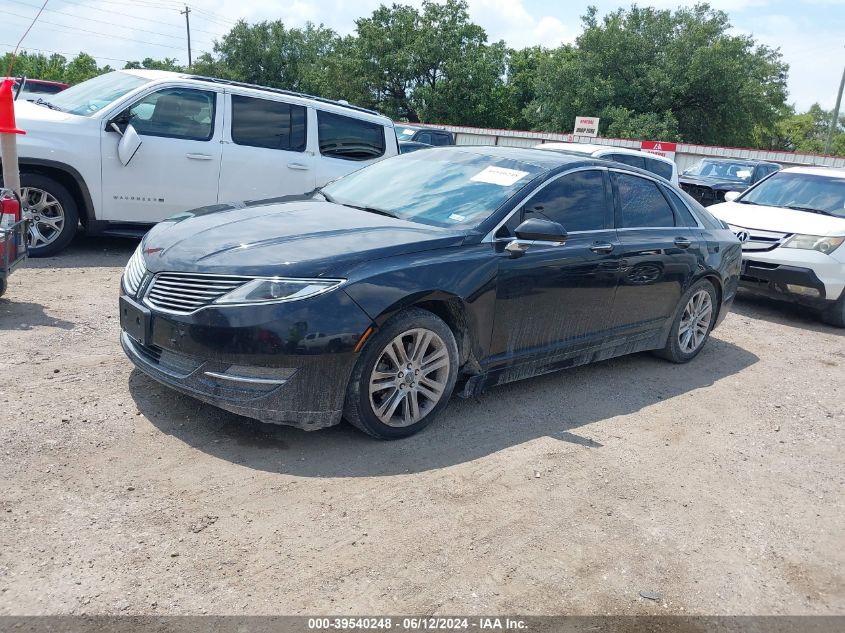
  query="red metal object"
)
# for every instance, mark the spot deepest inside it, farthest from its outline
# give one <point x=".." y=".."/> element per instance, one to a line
<point x="10" y="214"/>
<point x="7" y="109"/>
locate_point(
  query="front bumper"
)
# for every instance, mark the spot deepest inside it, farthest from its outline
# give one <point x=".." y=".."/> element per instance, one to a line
<point x="782" y="281"/>
<point x="211" y="355"/>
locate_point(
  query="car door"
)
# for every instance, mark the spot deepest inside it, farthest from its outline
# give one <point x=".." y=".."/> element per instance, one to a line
<point x="660" y="252"/>
<point x="265" y="149"/>
<point x="177" y="165"/>
<point x="557" y="296"/>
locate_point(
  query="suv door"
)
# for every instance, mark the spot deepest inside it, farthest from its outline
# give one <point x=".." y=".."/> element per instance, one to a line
<point x="661" y="250"/>
<point x="177" y="164"/>
<point x="265" y="150"/>
<point x="554" y="297"/>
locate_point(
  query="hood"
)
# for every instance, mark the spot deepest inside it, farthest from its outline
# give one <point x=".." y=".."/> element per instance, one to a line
<point x="717" y="184"/>
<point x="754" y="216"/>
<point x="302" y="238"/>
<point x="26" y="112"/>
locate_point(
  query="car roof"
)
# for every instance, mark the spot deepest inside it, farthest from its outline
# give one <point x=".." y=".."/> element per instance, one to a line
<point x="588" y="149"/>
<point x="834" y="172"/>
<point x="746" y="161"/>
<point x="247" y="89"/>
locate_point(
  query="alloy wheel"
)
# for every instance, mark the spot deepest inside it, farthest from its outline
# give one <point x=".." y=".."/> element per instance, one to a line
<point x="46" y="216"/>
<point x="409" y="377"/>
<point x="695" y="321"/>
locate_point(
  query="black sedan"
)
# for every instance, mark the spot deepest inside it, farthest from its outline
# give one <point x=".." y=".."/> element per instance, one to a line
<point x="711" y="178"/>
<point x="448" y="270"/>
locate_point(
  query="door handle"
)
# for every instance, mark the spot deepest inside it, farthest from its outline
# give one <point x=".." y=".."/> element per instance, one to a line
<point x="199" y="156"/>
<point x="298" y="166"/>
<point x="682" y="242"/>
<point x="602" y="247"/>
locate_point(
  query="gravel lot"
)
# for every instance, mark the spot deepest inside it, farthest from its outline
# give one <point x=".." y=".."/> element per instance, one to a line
<point x="717" y="485"/>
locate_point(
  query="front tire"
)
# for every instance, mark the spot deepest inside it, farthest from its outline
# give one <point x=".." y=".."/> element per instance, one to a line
<point x="404" y="377"/>
<point x="835" y="314"/>
<point x="692" y="325"/>
<point x="53" y="213"/>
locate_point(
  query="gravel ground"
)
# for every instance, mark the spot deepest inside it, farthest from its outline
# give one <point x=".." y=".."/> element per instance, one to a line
<point x="716" y="486"/>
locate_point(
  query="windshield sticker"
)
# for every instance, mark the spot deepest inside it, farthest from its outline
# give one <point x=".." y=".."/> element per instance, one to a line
<point x="407" y="131"/>
<point x="457" y="218"/>
<point x="499" y="176"/>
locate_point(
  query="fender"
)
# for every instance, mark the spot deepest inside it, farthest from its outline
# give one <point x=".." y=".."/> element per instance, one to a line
<point x="87" y="202"/>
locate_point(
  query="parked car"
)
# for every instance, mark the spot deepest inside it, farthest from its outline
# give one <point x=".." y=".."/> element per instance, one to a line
<point x="427" y="135"/>
<point x="449" y="269"/>
<point x="792" y="227"/>
<point x="660" y="165"/>
<point x="711" y="178"/>
<point x="406" y="147"/>
<point x="127" y="149"/>
<point x="28" y="89"/>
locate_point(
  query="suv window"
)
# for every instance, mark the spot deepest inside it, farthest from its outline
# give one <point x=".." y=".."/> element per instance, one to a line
<point x="176" y="113"/>
<point x="577" y="201"/>
<point x="348" y="138"/>
<point x="664" y="170"/>
<point x="442" y="138"/>
<point x="642" y="204"/>
<point x="423" y="137"/>
<point x="266" y="123"/>
<point x="628" y="159"/>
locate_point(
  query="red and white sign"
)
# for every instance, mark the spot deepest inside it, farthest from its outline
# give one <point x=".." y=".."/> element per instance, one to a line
<point x="666" y="150"/>
<point x="586" y="126"/>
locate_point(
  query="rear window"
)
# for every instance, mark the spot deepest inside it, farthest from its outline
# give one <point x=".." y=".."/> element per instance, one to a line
<point x="266" y="123"/>
<point x="628" y="159"/>
<point x="664" y="170"/>
<point x="347" y="138"/>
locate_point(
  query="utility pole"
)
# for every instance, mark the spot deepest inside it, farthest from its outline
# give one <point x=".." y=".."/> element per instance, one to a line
<point x="834" y="121"/>
<point x="186" y="13"/>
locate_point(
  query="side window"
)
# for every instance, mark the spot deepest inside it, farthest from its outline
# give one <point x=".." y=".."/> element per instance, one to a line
<point x="424" y="137"/>
<point x="642" y="204"/>
<point x="441" y="138"/>
<point x="577" y="201"/>
<point x="685" y="217"/>
<point x="664" y="170"/>
<point x="270" y="124"/>
<point x="347" y="138"/>
<point x="176" y="113"/>
<point x="628" y="159"/>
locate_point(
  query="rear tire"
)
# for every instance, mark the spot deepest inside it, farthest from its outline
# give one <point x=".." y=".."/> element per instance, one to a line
<point x="404" y="376"/>
<point x="56" y="212"/>
<point x="835" y="314"/>
<point x="693" y="322"/>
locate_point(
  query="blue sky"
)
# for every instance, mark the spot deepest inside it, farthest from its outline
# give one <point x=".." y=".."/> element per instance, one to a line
<point x="810" y="33"/>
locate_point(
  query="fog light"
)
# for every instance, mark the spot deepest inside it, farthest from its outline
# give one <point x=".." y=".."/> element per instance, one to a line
<point x="253" y="375"/>
<point x="803" y="290"/>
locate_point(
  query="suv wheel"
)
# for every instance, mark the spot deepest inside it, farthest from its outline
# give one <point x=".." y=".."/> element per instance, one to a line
<point x="52" y="212"/>
<point x="404" y="377"/>
<point x="692" y="324"/>
<point x="835" y="314"/>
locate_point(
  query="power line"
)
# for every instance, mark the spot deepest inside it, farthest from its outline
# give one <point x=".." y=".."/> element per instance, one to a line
<point x="133" y="28"/>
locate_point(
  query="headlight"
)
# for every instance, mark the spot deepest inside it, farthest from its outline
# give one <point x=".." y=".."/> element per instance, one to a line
<point x="278" y="289"/>
<point x="824" y="245"/>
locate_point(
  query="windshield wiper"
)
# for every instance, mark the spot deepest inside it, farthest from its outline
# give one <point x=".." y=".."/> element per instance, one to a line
<point x="371" y="210"/>
<point x="328" y="197"/>
<point x="41" y="101"/>
<point x="810" y="210"/>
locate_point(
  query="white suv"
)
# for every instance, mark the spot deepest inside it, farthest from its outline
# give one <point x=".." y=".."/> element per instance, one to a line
<point x="127" y="149"/>
<point x="660" y="165"/>
<point x="792" y="229"/>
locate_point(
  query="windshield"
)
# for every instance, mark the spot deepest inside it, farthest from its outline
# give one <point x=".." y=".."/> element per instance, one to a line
<point x="440" y="187"/>
<point x="95" y="94"/>
<point x="405" y="133"/>
<point x="804" y="191"/>
<point x="724" y="170"/>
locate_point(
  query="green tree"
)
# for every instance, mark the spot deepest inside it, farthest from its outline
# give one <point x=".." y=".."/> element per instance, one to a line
<point x="168" y="63"/>
<point x="806" y="132"/>
<point x="720" y="88"/>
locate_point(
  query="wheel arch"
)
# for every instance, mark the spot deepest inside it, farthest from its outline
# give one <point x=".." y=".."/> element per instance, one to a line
<point x="68" y="177"/>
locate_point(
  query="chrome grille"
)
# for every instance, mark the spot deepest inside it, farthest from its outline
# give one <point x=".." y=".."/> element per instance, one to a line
<point x="759" y="240"/>
<point x="134" y="273"/>
<point x="182" y="293"/>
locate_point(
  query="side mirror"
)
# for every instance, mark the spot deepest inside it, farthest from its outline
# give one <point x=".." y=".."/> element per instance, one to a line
<point x="730" y="196"/>
<point x="536" y="230"/>
<point x="128" y="145"/>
